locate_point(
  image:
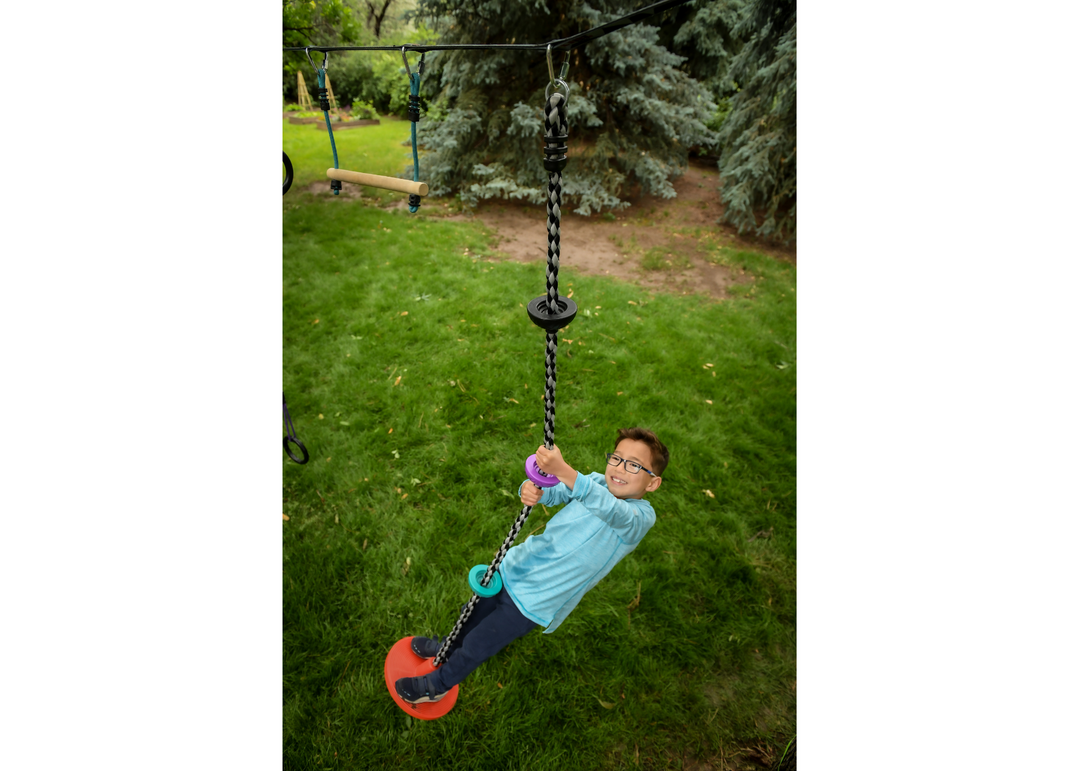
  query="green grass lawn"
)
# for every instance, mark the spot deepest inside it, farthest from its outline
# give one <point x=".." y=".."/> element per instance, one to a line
<point x="415" y="379"/>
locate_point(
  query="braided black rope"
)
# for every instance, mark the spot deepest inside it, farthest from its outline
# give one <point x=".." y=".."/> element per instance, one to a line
<point x="555" y="133"/>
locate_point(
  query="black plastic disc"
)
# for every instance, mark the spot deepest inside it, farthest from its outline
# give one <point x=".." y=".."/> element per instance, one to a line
<point x="299" y="444"/>
<point x="538" y="312"/>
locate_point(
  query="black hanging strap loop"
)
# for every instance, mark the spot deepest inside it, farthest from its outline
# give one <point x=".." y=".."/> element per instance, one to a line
<point x="291" y="436"/>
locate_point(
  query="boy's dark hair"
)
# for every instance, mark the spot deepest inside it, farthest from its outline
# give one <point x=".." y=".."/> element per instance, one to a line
<point x="656" y="447"/>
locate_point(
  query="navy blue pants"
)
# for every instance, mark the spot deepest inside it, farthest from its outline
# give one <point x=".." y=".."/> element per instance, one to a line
<point x="494" y="623"/>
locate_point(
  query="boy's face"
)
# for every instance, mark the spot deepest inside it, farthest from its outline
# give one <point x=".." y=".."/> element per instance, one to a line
<point x="621" y="482"/>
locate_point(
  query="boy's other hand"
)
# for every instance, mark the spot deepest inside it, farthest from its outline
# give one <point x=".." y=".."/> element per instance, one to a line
<point x="550" y="461"/>
<point x="531" y="494"/>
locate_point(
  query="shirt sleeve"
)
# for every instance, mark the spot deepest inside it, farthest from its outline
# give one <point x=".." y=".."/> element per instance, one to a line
<point x="630" y="521"/>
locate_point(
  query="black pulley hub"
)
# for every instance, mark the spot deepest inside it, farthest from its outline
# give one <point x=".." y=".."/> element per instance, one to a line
<point x="538" y="313"/>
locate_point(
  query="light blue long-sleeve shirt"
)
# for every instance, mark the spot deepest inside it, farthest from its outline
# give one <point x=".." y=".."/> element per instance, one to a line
<point x="548" y="574"/>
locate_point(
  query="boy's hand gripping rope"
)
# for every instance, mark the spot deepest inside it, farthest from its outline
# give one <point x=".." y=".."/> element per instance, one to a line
<point x="552" y="312"/>
<point x="324" y="105"/>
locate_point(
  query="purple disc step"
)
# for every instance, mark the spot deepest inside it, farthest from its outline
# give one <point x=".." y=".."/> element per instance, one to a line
<point x="536" y="476"/>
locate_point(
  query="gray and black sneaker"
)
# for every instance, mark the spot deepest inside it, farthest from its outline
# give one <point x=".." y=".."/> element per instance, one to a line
<point x="425" y="647"/>
<point x="416" y="690"/>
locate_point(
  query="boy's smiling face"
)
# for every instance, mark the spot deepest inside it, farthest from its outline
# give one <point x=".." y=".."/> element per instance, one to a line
<point x="621" y="482"/>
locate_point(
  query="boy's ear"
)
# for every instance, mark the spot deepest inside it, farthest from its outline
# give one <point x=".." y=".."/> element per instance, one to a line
<point x="653" y="484"/>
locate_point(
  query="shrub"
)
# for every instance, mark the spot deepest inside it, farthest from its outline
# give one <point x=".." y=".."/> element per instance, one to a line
<point x="362" y="110"/>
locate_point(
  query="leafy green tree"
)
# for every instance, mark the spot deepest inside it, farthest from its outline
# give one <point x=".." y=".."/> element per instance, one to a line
<point x="309" y="23"/>
<point x="757" y="163"/>
<point x="378" y="77"/>
<point x="376" y="14"/>
<point x="633" y="111"/>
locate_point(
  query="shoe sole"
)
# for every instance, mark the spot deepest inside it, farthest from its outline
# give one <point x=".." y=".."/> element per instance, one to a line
<point x="421" y="700"/>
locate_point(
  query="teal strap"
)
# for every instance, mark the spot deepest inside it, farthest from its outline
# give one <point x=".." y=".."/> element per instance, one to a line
<point x="414" y="89"/>
<point x="326" y="117"/>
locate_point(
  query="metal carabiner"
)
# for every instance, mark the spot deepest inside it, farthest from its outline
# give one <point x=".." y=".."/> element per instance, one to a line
<point x="559" y="81"/>
<point x="419" y="67"/>
<point x="325" y="58"/>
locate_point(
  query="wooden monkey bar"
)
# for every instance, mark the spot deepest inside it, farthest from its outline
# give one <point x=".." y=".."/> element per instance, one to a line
<point x="375" y="180"/>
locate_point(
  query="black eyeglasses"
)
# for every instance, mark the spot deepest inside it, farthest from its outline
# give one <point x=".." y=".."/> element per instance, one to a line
<point x="631" y="467"/>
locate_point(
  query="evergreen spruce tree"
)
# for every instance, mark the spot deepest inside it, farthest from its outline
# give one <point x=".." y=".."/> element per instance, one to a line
<point x="757" y="162"/>
<point x="703" y="31"/>
<point x="633" y="111"/>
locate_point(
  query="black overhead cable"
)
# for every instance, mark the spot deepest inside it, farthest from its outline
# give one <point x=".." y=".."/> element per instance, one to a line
<point x="565" y="44"/>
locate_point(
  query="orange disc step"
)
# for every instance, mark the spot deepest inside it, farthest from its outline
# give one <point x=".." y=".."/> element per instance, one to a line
<point x="402" y="662"/>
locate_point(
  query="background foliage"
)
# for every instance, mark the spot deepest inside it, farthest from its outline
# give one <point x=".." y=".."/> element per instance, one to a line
<point x="314" y="22"/>
<point x="634" y="113"/>
<point x="712" y="77"/>
<point x="757" y="164"/>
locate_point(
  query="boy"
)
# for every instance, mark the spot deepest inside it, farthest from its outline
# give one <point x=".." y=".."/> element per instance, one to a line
<point x="545" y="577"/>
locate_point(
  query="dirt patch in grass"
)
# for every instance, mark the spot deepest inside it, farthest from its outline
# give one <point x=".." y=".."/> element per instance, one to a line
<point x="660" y="244"/>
